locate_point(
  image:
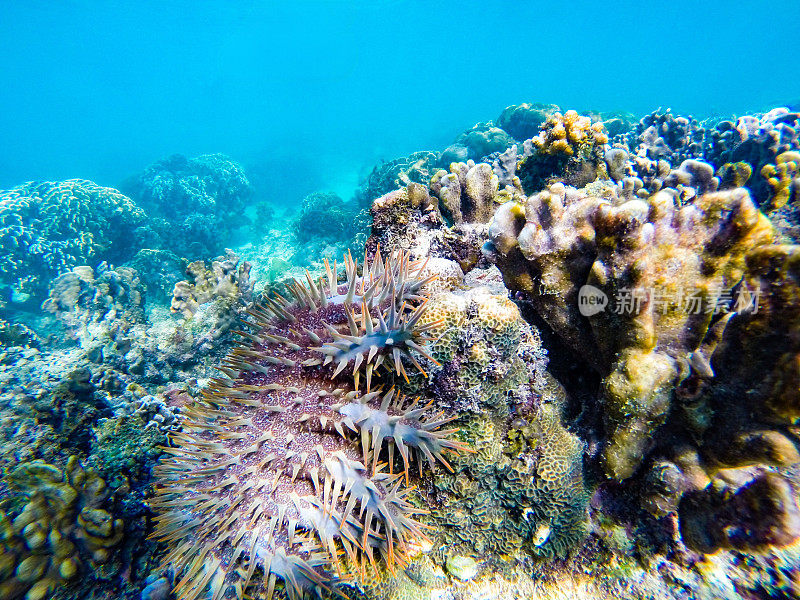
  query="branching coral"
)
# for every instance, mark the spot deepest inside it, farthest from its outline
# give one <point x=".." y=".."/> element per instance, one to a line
<point x="279" y="469"/>
<point x="47" y="228"/>
<point x="58" y="529"/>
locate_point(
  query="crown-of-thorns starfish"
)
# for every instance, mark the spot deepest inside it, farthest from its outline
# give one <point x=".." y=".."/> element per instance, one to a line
<point x="277" y="474"/>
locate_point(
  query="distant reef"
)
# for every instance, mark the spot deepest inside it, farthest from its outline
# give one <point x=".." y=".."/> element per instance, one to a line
<point x="558" y="358"/>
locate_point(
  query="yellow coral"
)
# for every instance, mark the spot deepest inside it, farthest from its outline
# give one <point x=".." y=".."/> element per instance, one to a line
<point x="61" y="527"/>
<point x="783" y="179"/>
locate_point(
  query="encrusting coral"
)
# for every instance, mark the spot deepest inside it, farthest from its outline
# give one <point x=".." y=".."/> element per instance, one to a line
<point x="280" y="468"/>
<point x="522" y="488"/>
<point x="58" y="530"/>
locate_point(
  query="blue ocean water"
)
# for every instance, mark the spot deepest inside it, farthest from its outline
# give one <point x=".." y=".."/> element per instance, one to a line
<point x="310" y="94"/>
<point x="598" y="323"/>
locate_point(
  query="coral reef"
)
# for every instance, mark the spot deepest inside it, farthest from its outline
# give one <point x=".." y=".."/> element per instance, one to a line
<point x="522" y="121"/>
<point x="761" y="514"/>
<point x="159" y="271"/>
<point x="569" y="148"/>
<point x="17" y="334"/>
<point x="475" y="143"/>
<point x="661" y="135"/>
<point x="783" y="202"/>
<point x="220" y="281"/>
<point x="561" y="240"/>
<point x="100" y="309"/>
<point x="400" y="219"/>
<point x="324" y="216"/>
<point x="106" y="312"/>
<point x="523" y="486"/>
<point x="486" y="349"/>
<point x="468" y="193"/>
<point x="389" y="176"/>
<point x="265" y="477"/>
<point x="194" y="204"/>
<point x="575" y="373"/>
<point x="783" y="178"/>
<point x="410" y="218"/>
<point x="756" y="140"/>
<point x="54" y="528"/>
<point x="49" y="227"/>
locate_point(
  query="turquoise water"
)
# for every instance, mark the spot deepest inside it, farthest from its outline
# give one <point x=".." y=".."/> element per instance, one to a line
<point x="575" y="303"/>
<point x="311" y="94"/>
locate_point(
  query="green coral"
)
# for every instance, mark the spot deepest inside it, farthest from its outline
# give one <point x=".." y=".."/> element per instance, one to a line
<point x="484" y="343"/>
<point x="125" y="444"/>
<point x="522" y="488"/>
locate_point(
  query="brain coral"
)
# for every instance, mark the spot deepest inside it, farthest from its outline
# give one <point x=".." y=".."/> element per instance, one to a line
<point x="279" y="471"/>
<point x="49" y="227"/>
<point x="523" y="486"/>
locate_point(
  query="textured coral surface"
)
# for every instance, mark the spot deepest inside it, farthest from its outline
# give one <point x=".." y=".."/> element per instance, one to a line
<point x="268" y="474"/>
